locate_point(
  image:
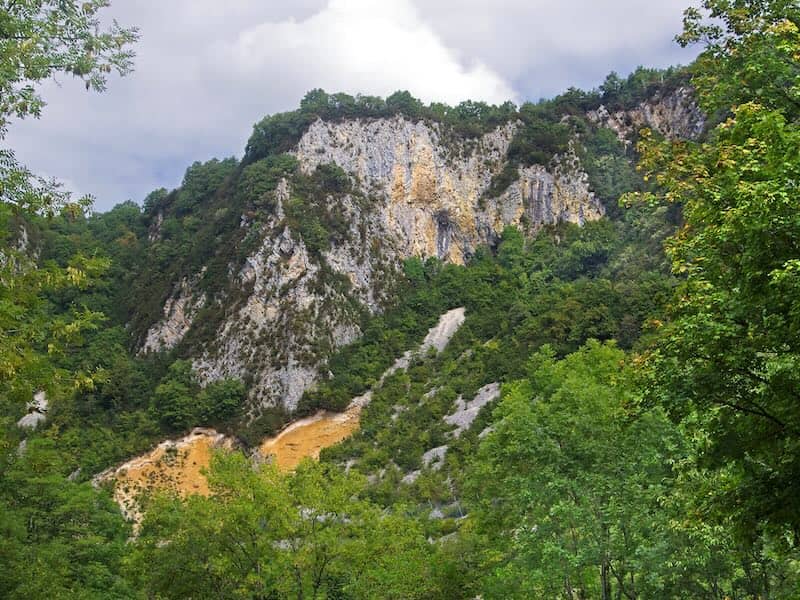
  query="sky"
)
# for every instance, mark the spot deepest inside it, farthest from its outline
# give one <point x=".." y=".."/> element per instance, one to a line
<point x="207" y="70"/>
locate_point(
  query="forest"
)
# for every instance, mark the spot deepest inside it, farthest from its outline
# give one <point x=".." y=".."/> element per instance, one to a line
<point x="646" y="438"/>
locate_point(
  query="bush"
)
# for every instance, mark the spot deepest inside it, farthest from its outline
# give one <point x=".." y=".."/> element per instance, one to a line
<point x="220" y="401"/>
<point x="261" y="177"/>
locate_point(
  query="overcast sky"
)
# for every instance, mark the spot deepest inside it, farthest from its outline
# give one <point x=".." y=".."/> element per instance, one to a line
<point x="207" y="70"/>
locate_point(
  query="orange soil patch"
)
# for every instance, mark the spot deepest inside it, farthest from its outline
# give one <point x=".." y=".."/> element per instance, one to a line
<point x="172" y="466"/>
<point x="307" y="437"/>
<point x="177" y="465"/>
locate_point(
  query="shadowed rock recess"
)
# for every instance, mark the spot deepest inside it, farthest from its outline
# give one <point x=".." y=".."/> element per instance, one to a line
<point x="305" y="267"/>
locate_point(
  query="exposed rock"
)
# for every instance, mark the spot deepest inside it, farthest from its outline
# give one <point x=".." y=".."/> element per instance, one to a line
<point x="23" y="241"/>
<point x="419" y="192"/>
<point x="436" y="514"/>
<point x="174" y="465"/>
<point x="673" y="115"/>
<point x="432" y="192"/>
<point x="31" y="421"/>
<point x="37" y="412"/>
<point x="411" y="477"/>
<point x="397" y="410"/>
<point x="437" y="337"/>
<point x="545" y="198"/>
<point x="434" y="457"/>
<point x="485" y="432"/>
<point x="179" y="313"/>
<point x="154" y="233"/>
<point x="449" y="510"/>
<point x="288" y="311"/>
<point x="39" y="402"/>
<point x="466" y="412"/>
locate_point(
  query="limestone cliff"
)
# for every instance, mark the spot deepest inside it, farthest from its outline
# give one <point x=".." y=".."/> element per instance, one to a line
<point x="431" y="193"/>
<point x="673" y="114"/>
<point x="425" y="198"/>
<point x="417" y="191"/>
<point x="179" y="312"/>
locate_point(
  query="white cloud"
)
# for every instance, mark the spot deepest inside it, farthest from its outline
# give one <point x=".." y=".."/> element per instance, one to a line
<point x="363" y="46"/>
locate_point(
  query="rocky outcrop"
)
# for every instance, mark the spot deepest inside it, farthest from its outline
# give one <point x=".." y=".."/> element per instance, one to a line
<point x="37" y="412"/>
<point x="675" y="114"/>
<point x="418" y="192"/>
<point x="179" y="313"/>
<point x="437" y="339"/>
<point x="466" y="412"/>
<point x="291" y="309"/>
<point x="176" y="466"/>
<point x="432" y="191"/>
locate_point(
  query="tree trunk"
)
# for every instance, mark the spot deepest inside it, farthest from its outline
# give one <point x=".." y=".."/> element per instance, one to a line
<point x="605" y="580"/>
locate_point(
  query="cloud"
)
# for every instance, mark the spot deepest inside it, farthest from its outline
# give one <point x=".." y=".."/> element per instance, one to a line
<point x="207" y="70"/>
<point x="543" y="47"/>
<point x="362" y="46"/>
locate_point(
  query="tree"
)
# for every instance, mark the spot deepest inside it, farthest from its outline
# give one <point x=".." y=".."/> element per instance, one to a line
<point x="267" y="535"/>
<point x="38" y="40"/>
<point x="404" y="103"/>
<point x="727" y="363"/>
<point x="570" y="489"/>
<point x="220" y="401"/>
<point x="749" y="55"/>
<point x="60" y="539"/>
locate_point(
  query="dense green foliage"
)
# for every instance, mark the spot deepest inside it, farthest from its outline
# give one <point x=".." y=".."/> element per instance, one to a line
<point x="644" y="444"/>
<point x="60" y="539"/>
<point x="179" y="403"/>
<point x="726" y="361"/>
<point x="583" y="479"/>
<point x="266" y="535"/>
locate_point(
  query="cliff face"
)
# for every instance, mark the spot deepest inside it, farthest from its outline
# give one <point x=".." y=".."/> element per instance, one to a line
<point x="418" y="191"/>
<point x="430" y="191"/>
<point x="674" y="115"/>
<point x="425" y="196"/>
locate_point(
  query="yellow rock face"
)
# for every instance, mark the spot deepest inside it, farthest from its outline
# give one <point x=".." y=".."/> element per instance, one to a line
<point x="419" y="191"/>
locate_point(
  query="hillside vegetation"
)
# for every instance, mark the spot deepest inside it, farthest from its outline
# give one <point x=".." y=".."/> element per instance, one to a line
<point x="634" y="379"/>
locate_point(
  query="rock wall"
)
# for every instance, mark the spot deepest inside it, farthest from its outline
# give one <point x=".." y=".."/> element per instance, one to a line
<point x="179" y="312"/>
<point x="431" y="190"/>
<point x="674" y="115"/>
<point x="419" y="191"/>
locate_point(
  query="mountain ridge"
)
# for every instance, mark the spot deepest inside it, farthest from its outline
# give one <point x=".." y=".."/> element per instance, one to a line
<point x="393" y="188"/>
